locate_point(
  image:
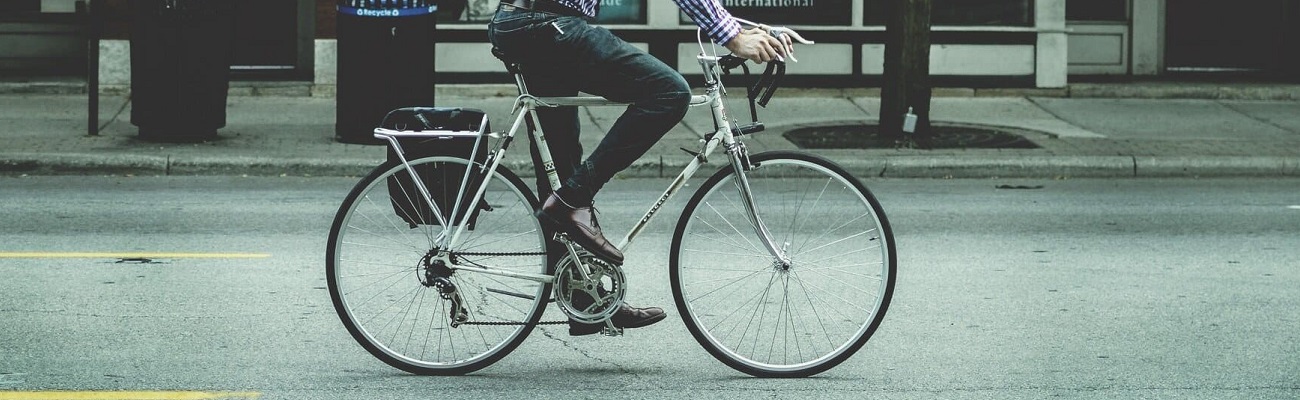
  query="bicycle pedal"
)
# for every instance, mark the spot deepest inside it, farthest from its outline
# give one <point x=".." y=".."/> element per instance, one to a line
<point x="563" y="238"/>
<point x="610" y="330"/>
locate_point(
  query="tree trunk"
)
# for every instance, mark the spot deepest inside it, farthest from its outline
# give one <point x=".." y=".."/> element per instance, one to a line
<point x="907" y="71"/>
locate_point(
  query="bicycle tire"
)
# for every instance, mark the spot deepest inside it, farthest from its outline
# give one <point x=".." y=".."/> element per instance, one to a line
<point x="373" y="266"/>
<point x="796" y="196"/>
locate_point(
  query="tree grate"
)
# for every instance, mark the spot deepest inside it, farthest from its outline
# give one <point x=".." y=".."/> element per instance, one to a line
<point x="941" y="137"/>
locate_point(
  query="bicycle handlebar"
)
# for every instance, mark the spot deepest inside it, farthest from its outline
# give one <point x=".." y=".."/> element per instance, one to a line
<point x="761" y="92"/>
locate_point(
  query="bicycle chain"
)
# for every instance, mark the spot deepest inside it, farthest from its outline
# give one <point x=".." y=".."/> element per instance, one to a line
<point x="514" y="323"/>
<point x="499" y="254"/>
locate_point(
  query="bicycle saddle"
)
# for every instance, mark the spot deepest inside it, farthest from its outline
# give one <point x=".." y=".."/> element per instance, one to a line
<point x="511" y="63"/>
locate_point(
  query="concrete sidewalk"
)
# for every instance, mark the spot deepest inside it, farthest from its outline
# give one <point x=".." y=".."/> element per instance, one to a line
<point x="1078" y="137"/>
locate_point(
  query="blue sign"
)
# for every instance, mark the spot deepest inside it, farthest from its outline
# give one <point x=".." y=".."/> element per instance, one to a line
<point x="387" y="12"/>
<point x="386" y="8"/>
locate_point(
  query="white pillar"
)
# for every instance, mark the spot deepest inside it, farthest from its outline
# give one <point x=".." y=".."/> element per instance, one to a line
<point x="325" y="69"/>
<point x="1052" y="63"/>
<point x="114" y="64"/>
<point x="1148" y="27"/>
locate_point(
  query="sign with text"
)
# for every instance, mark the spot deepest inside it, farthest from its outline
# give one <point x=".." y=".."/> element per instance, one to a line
<point x="789" y="12"/>
<point x="611" y="12"/>
<point x="622" y="12"/>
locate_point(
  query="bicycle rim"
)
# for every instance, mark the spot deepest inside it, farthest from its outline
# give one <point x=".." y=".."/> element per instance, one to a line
<point x="377" y="271"/>
<point x="750" y="311"/>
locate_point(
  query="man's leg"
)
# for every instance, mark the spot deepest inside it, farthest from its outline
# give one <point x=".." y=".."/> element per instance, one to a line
<point x="560" y="125"/>
<point x="616" y="70"/>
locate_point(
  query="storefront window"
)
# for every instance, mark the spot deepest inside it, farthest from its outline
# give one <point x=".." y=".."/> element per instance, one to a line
<point x="480" y="11"/>
<point x="11" y="10"/>
<point x="965" y="12"/>
<point x="789" y="12"/>
<point x="1096" y="10"/>
<point x="12" y="6"/>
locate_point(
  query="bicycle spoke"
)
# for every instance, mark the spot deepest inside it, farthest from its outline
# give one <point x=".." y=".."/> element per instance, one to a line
<point x="395" y="282"/>
<point x="837" y="268"/>
<point x="837" y="297"/>
<point x="722" y="253"/>
<point x="733" y="227"/>
<point x="820" y="323"/>
<point x="725" y="286"/>
<point x="729" y="241"/>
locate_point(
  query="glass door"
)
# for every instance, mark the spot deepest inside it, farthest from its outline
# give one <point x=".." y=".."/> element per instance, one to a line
<point x="266" y="40"/>
<point x="1238" y="37"/>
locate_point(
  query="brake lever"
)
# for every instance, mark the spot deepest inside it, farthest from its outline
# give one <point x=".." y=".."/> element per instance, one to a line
<point x="778" y="32"/>
<point x="781" y="30"/>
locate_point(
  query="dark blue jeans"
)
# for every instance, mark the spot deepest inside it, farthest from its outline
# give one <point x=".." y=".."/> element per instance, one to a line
<point x="562" y="55"/>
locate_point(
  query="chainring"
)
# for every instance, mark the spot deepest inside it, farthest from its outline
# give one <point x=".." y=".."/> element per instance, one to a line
<point x="593" y="300"/>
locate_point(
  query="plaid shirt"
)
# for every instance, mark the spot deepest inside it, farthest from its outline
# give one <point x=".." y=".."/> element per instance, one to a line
<point x="708" y="14"/>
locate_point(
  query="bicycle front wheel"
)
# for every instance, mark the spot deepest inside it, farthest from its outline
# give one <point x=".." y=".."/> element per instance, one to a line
<point x="799" y="312"/>
<point x="388" y="279"/>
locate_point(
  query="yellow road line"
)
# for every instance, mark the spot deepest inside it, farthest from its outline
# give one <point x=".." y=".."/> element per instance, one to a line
<point x="130" y="255"/>
<point x="125" y="395"/>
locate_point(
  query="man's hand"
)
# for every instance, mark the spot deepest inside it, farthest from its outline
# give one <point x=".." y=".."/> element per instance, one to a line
<point x="756" y="45"/>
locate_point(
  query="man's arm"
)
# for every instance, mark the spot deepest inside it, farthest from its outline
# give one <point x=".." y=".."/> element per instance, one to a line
<point x="716" y="22"/>
<point x="723" y="29"/>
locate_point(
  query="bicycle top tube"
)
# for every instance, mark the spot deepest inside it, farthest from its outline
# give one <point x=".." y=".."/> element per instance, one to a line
<point x="596" y="101"/>
<point x="384" y="133"/>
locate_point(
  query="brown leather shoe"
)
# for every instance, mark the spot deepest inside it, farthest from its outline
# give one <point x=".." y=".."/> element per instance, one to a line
<point x="626" y="317"/>
<point x="581" y="226"/>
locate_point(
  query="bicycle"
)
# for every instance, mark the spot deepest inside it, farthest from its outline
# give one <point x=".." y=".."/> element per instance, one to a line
<point x="782" y="263"/>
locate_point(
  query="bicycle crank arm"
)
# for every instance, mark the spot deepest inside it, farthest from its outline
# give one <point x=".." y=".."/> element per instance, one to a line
<point x="572" y="248"/>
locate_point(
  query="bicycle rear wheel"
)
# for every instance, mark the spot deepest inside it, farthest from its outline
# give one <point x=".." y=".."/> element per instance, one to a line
<point x="381" y="265"/>
<point x="760" y="315"/>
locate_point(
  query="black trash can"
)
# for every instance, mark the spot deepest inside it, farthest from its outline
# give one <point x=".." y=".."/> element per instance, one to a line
<point x="181" y="52"/>
<point x="385" y="61"/>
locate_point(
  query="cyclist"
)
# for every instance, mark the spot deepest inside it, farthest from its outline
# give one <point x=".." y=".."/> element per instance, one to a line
<point x="562" y="53"/>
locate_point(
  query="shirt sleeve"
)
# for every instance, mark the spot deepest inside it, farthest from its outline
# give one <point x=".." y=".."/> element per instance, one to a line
<point x="716" y="22"/>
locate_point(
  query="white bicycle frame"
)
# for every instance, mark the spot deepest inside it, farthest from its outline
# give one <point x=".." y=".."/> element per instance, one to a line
<point x="724" y="136"/>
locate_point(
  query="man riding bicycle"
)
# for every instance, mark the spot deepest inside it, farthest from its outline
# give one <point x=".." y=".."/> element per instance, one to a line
<point x="562" y="54"/>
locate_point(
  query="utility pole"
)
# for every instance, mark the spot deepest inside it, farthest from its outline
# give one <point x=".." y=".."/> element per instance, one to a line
<point x="907" y="72"/>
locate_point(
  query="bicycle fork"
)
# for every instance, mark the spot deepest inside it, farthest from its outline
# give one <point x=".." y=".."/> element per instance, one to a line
<point x="740" y="163"/>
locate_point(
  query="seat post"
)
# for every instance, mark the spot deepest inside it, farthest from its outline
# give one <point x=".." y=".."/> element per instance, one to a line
<point x="514" y="68"/>
<point x="519" y="80"/>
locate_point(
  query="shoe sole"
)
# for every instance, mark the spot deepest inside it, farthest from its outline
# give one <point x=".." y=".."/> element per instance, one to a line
<point x="640" y="324"/>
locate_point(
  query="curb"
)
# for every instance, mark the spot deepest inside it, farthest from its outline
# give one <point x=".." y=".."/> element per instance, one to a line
<point x="921" y="166"/>
<point x="1191" y="167"/>
<point x="1129" y="90"/>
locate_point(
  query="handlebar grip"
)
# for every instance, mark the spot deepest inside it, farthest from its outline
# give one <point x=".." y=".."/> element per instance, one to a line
<point x="749" y="129"/>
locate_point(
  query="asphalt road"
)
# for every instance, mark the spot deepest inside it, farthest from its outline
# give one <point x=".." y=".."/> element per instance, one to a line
<point x="1073" y="288"/>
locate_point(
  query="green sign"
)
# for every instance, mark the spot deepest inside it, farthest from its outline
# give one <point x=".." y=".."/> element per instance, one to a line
<point x="622" y="12"/>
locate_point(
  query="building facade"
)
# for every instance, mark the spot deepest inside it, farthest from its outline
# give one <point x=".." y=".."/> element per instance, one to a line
<point x="975" y="43"/>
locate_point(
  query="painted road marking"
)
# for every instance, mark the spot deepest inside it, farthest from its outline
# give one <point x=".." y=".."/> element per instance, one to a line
<point x="130" y="255"/>
<point x="125" y="395"/>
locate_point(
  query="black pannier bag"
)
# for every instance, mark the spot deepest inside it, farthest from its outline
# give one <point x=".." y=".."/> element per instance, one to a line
<point x="441" y="179"/>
